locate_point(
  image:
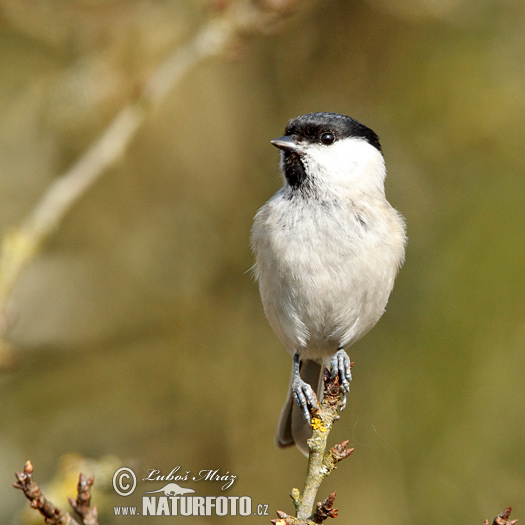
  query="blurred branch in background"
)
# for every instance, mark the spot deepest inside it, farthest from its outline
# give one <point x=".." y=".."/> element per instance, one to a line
<point x="235" y="20"/>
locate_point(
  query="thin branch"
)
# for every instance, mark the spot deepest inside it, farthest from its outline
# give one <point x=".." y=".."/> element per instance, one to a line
<point x="82" y="505"/>
<point x="320" y="462"/>
<point x="503" y="518"/>
<point x="239" y="19"/>
<point x="53" y="515"/>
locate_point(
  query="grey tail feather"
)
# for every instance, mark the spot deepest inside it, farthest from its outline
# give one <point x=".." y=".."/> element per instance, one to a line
<point x="292" y="428"/>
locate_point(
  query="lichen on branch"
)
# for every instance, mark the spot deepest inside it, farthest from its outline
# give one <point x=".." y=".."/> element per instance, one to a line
<point x="320" y="462"/>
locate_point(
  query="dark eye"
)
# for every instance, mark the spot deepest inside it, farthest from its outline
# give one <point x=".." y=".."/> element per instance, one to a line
<point x="327" y="138"/>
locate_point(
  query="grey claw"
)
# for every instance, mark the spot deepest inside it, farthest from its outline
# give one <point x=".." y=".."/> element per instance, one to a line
<point x="342" y="406"/>
<point x="305" y="397"/>
<point x="340" y="365"/>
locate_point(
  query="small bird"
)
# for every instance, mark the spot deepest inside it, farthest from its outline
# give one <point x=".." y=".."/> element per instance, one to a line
<point x="327" y="248"/>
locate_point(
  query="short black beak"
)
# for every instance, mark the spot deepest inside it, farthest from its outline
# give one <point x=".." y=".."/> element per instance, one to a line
<point x="285" y="143"/>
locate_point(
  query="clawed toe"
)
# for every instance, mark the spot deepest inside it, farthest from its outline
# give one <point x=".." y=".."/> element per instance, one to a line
<point x="341" y="366"/>
<point x="342" y="406"/>
<point x="305" y="397"/>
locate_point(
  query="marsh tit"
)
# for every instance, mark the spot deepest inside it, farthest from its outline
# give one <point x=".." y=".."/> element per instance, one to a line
<point x="327" y="248"/>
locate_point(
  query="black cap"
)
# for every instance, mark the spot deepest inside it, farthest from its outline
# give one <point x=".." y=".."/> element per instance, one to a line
<point x="310" y="127"/>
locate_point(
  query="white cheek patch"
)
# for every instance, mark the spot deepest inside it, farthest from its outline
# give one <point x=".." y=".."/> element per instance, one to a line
<point x="348" y="161"/>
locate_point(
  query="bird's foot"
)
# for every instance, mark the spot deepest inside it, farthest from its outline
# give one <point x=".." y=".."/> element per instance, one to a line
<point x="305" y="396"/>
<point x="341" y="366"/>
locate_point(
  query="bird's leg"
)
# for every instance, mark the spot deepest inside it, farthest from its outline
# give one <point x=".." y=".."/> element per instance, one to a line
<point x="302" y="392"/>
<point x="341" y="366"/>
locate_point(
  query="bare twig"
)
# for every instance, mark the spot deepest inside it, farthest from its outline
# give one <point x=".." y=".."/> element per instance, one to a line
<point x="320" y="462"/>
<point x="53" y="515"/>
<point x="325" y="510"/>
<point x="82" y="505"/>
<point x="238" y="19"/>
<point x="503" y="518"/>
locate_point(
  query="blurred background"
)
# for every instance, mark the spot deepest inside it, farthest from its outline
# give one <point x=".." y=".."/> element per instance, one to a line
<point x="138" y="331"/>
